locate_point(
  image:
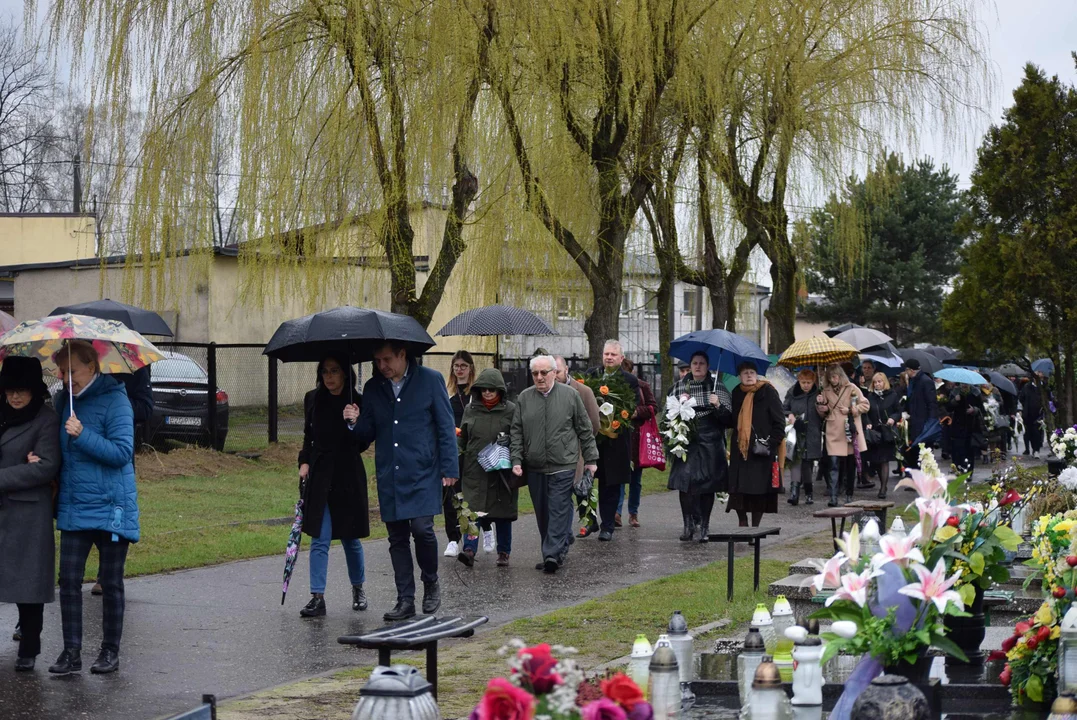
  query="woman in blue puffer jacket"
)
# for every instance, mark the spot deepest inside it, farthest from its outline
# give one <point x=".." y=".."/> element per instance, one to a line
<point x="97" y="504"/>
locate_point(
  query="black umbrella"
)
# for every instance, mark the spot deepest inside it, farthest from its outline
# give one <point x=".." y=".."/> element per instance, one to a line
<point x="1001" y="382"/>
<point x="928" y="362"/>
<point x="1012" y="370"/>
<point x="496" y="320"/>
<point x="350" y="331"/>
<point x="831" y="332"/>
<point x="144" y="322"/>
<point x="941" y="352"/>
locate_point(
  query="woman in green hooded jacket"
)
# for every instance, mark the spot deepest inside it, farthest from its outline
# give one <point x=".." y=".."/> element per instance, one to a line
<point x="493" y="494"/>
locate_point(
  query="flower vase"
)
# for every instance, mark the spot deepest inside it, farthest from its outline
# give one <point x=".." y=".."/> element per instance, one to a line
<point x="968" y="633"/>
<point x="918" y="673"/>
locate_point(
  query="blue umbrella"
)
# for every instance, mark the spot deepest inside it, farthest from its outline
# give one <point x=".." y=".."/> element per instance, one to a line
<point x="932" y="431"/>
<point x="724" y="350"/>
<point x="961" y="375"/>
<point x="1044" y="365"/>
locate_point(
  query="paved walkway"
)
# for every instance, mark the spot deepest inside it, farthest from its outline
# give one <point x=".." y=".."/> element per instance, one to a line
<point x="222" y="629"/>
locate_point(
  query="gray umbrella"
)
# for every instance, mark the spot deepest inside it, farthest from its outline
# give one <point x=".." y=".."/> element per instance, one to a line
<point x="928" y="362"/>
<point x="861" y="338"/>
<point x="941" y="351"/>
<point x="1001" y="382"/>
<point x="497" y="320"/>
<point x="1011" y="370"/>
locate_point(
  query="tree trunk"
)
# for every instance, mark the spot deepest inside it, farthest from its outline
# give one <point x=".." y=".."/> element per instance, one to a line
<point x="603" y="322"/>
<point x="398" y="238"/>
<point x="781" y="315"/>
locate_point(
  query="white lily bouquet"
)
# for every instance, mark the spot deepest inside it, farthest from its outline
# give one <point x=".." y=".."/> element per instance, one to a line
<point x="677" y="428"/>
<point x="1064" y="444"/>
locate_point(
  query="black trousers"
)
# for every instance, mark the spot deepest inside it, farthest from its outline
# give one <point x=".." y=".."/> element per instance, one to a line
<point x="74" y="549"/>
<point x="452" y="521"/>
<point x="608" y="497"/>
<point x="426" y="553"/>
<point x="31" y="620"/>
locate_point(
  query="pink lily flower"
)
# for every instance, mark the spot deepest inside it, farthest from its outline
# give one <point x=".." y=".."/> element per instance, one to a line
<point x="854" y="587"/>
<point x="933" y="514"/>
<point x="898" y="549"/>
<point x="926" y="486"/>
<point x="831" y="572"/>
<point x="934" y="586"/>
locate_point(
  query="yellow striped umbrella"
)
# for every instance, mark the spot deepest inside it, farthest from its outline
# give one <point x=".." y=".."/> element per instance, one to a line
<point x="819" y="350"/>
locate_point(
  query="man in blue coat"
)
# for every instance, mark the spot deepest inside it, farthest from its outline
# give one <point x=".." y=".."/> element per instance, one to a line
<point x="406" y="413"/>
<point x="921" y="405"/>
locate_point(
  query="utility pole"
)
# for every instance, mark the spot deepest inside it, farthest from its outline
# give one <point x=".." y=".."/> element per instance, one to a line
<point x="77" y="185"/>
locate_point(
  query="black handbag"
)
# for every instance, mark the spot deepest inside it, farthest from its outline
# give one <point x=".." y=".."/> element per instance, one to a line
<point x="872" y="436"/>
<point x="760" y="447"/>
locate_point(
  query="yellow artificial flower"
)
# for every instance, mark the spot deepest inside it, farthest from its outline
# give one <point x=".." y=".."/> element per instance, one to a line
<point x="1065" y="525"/>
<point x="1056" y="632"/>
<point x="1044" y="616"/>
<point x="945" y="533"/>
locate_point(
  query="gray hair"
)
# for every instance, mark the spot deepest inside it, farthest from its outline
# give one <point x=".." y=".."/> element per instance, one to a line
<point x="614" y="343"/>
<point x="547" y="358"/>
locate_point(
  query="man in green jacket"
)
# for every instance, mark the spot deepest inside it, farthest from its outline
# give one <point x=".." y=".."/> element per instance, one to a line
<point x="550" y="429"/>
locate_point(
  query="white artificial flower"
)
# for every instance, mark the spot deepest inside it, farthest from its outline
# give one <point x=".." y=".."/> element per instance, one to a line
<point x="1068" y="478"/>
<point x="605" y="409"/>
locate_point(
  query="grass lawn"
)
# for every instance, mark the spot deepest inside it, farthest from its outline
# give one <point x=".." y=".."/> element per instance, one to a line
<point x="202" y="508"/>
<point x="601" y="629"/>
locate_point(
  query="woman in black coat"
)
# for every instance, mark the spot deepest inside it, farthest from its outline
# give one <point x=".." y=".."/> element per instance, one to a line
<point x="880" y="429"/>
<point x="757" y="416"/>
<point x="799" y="408"/>
<point x="965" y="407"/>
<point x="332" y="480"/>
<point x="29" y="464"/>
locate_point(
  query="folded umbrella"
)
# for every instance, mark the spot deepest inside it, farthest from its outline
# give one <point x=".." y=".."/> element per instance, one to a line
<point x="145" y="322"/>
<point x="817" y="351"/>
<point x="724" y="350"/>
<point x="1002" y="382"/>
<point x="961" y="375"/>
<point x="291" y="550"/>
<point x="931" y="432"/>
<point x="861" y="338"/>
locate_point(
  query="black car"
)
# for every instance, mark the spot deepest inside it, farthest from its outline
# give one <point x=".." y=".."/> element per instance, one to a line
<point x="181" y="404"/>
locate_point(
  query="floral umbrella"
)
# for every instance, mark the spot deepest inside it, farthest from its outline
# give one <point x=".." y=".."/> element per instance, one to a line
<point x="6" y="322"/>
<point x="119" y="349"/>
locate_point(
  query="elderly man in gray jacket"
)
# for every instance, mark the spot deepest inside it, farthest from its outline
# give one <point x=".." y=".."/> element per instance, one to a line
<point x="550" y="429"/>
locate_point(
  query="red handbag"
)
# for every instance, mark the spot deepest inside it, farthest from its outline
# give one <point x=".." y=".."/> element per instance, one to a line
<point x="651" y="453"/>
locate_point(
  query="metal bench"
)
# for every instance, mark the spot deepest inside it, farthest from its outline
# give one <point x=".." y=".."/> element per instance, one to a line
<point x="834" y="514"/>
<point x="742" y="535"/>
<point x="879" y="507"/>
<point x="206" y="711"/>
<point x="420" y="633"/>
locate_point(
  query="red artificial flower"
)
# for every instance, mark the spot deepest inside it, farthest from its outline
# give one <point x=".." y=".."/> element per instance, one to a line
<point x="1021" y="628"/>
<point x="1005" y="675"/>
<point x="996" y="655"/>
<point x="504" y="701"/>
<point x="1043" y="634"/>
<point x="538" y="668"/>
<point x="622" y="690"/>
<point x="1008" y="643"/>
<point x="603" y="709"/>
<point x="1009" y="497"/>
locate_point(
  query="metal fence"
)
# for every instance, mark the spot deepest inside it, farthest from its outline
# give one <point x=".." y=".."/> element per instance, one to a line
<point x="264" y="397"/>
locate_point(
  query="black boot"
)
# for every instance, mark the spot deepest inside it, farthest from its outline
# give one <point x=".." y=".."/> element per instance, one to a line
<point x="808" y="498"/>
<point x="404" y="610"/>
<point x="833" y="496"/>
<point x="70" y="661"/>
<point x="794" y="495"/>
<point x="359" y="601"/>
<point x="315" y="608"/>
<point x="431" y="597"/>
<point x="689" y="528"/>
<point x="704" y="531"/>
<point x="107" y="662"/>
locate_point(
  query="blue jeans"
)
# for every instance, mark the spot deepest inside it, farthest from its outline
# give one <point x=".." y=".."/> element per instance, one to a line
<point x="504" y="536"/>
<point x="319" y="557"/>
<point x="635" y="489"/>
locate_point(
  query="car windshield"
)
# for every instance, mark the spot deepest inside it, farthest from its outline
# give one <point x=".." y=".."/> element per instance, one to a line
<point x="178" y="368"/>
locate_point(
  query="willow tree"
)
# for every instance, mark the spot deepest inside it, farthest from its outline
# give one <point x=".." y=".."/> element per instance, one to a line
<point x="345" y="112"/>
<point x="797" y="93"/>
<point x="582" y="85"/>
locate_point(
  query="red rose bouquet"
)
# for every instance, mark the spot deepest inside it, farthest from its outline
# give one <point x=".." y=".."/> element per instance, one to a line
<point x="543" y="685"/>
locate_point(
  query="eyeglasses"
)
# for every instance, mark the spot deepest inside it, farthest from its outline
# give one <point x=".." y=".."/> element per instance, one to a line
<point x="540" y="373"/>
<point x="461" y="367"/>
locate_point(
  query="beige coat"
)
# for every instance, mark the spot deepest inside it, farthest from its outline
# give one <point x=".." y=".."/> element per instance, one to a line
<point x="589" y="402"/>
<point x="850" y="395"/>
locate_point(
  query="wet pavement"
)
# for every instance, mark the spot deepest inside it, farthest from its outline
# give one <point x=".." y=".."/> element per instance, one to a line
<point x="222" y="629"/>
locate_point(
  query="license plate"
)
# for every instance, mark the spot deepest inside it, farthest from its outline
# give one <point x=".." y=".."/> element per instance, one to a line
<point x="189" y="421"/>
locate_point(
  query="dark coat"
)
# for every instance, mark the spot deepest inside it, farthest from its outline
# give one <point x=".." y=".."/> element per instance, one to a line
<point x="139" y="392"/>
<point x="459" y="403"/>
<point x="486" y="492"/>
<point x="615" y="454"/>
<point x="808" y="423"/>
<point x="920" y="403"/>
<point x="705" y="468"/>
<point x="751" y="475"/>
<point x="1031" y="404"/>
<point x="415" y="442"/>
<point x="337" y="475"/>
<point x="965" y="423"/>
<point x="27" y="547"/>
<point x="884" y="408"/>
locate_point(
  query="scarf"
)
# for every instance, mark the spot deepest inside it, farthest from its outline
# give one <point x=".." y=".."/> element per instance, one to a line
<point x="744" y="419"/>
<point x="491" y="404"/>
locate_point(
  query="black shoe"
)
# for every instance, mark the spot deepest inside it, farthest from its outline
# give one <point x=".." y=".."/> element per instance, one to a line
<point x="17" y="635"/>
<point x="542" y="566"/>
<point x="315" y="608"/>
<point x="808" y="499"/>
<point x="605" y="535"/>
<point x="70" y="661"/>
<point x="704" y="532"/>
<point x="848" y="499"/>
<point x="404" y="610"/>
<point x="431" y="597"/>
<point x="832" y="502"/>
<point x="359" y="601"/>
<point x="550" y="566"/>
<point x="467" y="557"/>
<point x="686" y="534"/>
<point x="24" y="664"/>
<point x="107" y="662"/>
